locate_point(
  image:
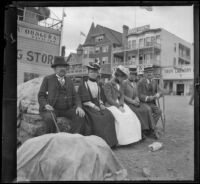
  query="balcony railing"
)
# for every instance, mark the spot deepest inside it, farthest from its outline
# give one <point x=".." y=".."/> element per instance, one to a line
<point x="38" y="19"/>
<point x="136" y="63"/>
<point x="184" y="57"/>
<point x="137" y="46"/>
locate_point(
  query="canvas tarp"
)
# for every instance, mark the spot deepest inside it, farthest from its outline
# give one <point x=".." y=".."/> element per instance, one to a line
<point x="67" y="157"/>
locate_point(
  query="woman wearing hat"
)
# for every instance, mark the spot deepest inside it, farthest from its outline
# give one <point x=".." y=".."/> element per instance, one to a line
<point x="100" y="119"/>
<point x="128" y="127"/>
<point x="142" y="110"/>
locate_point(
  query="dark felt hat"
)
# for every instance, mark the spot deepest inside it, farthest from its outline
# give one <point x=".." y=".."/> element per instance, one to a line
<point x="149" y="69"/>
<point x="59" y="61"/>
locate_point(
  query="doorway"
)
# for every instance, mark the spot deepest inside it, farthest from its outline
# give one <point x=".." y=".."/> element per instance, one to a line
<point x="180" y="89"/>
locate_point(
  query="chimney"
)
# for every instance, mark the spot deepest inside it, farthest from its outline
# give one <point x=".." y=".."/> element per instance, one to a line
<point x="124" y="36"/>
<point x="63" y="51"/>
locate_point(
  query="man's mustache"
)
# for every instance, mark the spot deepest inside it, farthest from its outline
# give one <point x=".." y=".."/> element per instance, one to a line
<point x="62" y="70"/>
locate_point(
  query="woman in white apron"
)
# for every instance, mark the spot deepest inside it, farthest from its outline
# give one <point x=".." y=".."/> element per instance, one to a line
<point x="127" y="125"/>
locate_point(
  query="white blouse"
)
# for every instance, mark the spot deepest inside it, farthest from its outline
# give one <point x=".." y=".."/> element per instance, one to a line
<point x="93" y="88"/>
<point x="94" y="92"/>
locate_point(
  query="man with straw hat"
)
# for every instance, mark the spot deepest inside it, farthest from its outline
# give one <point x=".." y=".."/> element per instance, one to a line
<point x="148" y="93"/>
<point x="57" y="98"/>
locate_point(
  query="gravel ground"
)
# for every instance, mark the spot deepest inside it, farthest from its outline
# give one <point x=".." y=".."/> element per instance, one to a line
<point x="175" y="160"/>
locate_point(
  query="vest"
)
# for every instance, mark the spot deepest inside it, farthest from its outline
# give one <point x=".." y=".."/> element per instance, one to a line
<point x="62" y="100"/>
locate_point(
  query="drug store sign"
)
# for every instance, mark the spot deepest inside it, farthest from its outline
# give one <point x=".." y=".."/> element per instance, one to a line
<point x="38" y="35"/>
<point x="34" y="57"/>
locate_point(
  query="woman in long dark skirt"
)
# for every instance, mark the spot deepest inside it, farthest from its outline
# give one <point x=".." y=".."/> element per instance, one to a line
<point x="100" y="119"/>
<point x="142" y="110"/>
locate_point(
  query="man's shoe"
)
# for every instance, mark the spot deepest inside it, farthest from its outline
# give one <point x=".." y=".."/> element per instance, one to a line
<point x="155" y="134"/>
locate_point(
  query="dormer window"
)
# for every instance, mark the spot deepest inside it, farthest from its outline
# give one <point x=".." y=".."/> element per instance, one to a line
<point x="99" y="38"/>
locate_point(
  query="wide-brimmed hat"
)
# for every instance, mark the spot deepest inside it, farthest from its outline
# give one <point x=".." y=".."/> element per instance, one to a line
<point x="123" y="69"/>
<point x="93" y="66"/>
<point x="59" y="61"/>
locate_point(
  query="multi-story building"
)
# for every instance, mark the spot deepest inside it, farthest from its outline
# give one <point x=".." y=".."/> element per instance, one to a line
<point x="98" y="46"/>
<point x="143" y="46"/>
<point x="38" y="41"/>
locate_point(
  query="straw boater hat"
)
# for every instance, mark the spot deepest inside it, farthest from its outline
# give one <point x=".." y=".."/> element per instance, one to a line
<point x="122" y="69"/>
<point x="59" y="61"/>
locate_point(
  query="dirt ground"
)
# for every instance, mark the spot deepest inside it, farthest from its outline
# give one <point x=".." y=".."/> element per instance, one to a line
<point x="175" y="161"/>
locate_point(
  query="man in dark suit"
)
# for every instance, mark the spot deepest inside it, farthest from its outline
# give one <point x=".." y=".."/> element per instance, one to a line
<point x="148" y="92"/>
<point x="57" y="94"/>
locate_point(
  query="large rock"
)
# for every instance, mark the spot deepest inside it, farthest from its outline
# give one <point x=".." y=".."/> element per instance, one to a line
<point x="27" y="100"/>
<point x="32" y="125"/>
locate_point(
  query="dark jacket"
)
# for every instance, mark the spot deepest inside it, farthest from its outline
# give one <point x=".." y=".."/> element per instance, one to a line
<point x="130" y="92"/>
<point x="112" y="94"/>
<point x="48" y="92"/>
<point x="145" y="89"/>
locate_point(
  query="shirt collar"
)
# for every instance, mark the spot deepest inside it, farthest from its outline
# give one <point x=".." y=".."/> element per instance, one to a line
<point x="60" y="78"/>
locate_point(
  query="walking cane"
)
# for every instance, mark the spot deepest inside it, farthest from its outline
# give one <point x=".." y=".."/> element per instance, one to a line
<point x="55" y="123"/>
<point x="163" y="112"/>
<point x="162" y="115"/>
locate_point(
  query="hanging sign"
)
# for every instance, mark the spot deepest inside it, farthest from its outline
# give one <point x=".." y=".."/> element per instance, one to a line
<point x="38" y="35"/>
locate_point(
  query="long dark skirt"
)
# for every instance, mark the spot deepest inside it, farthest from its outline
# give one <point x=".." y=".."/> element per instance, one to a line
<point x="103" y="124"/>
<point x="144" y="113"/>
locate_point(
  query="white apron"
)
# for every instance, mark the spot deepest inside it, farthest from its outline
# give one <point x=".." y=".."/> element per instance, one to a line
<point x="127" y="125"/>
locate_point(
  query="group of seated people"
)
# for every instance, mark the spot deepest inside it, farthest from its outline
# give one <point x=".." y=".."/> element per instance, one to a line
<point x="122" y="111"/>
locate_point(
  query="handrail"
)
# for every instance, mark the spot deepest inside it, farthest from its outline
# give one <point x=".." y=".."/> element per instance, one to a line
<point x="47" y="22"/>
<point x="137" y="46"/>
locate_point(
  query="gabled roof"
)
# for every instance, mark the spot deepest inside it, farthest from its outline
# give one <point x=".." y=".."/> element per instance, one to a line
<point x="79" y="47"/>
<point x="77" y="59"/>
<point x="115" y="37"/>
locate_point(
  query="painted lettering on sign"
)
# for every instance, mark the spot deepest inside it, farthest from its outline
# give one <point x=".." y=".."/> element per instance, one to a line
<point x="139" y="29"/>
<point x="38" y="35"/>
<point x="35" y="57"/>
<point x="178" y="73"/>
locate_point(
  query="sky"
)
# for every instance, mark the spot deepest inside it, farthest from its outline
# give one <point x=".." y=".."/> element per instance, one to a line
<point x="175" y="19"/>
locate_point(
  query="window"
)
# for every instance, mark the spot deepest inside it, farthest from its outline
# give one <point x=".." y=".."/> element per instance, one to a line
<point x="158" y="39"/>
<point x="105" y="49"/>
<point x="188" y="53"/>
<point x="99" y="38"/>
<point x="141" y="42"/>
<point x="29" y="76"/>
<point x="157" y="57"/>
<point x="174" y="61"/>
<point x="129" y="44"/>
<point x="97" y="49"/>
<point x="148" y="41"/>
<point x="133" y="44"/>
<point x="153" y="39"/>
<point x="175" y="47"/>
<point x="104" y="60"/>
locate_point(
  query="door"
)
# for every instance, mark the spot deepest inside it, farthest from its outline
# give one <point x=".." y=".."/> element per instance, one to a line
<point x="180" y="89"/>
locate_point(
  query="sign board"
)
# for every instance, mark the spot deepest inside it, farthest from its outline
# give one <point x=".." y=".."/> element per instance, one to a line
<point x="139" y="29"/>
<point x="38" y="35"/>
<point x="140" y="69"/>
<point x="34" y="57"/>
<point x="186" y="72"/>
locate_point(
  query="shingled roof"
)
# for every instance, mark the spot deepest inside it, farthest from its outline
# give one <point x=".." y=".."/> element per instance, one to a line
<point x="77" y="59"/>
<point x="115" y="37"/>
